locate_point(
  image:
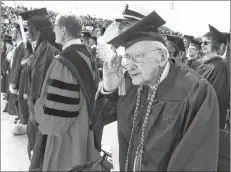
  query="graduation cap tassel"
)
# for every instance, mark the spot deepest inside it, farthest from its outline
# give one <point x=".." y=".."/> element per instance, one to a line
<point x="138" y="162"/>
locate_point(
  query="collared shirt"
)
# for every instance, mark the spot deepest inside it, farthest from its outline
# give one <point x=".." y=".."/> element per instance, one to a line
<point x="71" y="42"/>
<point x="34" y="44"/>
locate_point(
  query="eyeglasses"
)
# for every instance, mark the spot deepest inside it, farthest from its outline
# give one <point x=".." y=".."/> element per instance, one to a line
<point x="139" y="57"/>
<point x="206" y="42"/>
<point x="192" y="49"/>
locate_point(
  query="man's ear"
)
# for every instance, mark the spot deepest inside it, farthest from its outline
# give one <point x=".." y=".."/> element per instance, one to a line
<point x="63" y="30"/>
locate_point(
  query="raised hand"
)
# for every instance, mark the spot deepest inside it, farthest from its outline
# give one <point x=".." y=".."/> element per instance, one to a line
<point x="112" y="73"/>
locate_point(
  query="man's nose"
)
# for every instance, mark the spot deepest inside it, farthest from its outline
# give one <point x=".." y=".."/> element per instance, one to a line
<point x="131" y="65"/>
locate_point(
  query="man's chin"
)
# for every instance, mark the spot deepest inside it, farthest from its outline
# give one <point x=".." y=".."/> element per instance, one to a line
<point x="136" y="81"/>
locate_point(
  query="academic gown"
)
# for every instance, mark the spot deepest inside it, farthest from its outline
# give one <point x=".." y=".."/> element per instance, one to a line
<point x="216" y="71"/>
<point x="38" y="65"/>
<point x="14" y="78"/>
<point x="22" y="103"/>
<point x="4" y="80"/>
<point x="182" y="130"/>
<point x="62" y="114"/>
<point x="193" y="63"/>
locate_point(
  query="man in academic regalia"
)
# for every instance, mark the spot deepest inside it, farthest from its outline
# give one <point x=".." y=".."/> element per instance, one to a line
<point x="131" y="14"/>
<point x="44" y="50"/>
<point x="215" y="70"/>
<point x="167" y="121"/>
<point x="64" y="109"/>
<point x="194" y="54"/>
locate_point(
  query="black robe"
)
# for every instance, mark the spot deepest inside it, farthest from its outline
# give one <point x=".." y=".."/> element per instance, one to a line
<point x="14" y="77"/>
<point x="182" y="133"/>
<point x="193" y="63"/>
<point x="22" y="103"/>
<point x="216" y="71"/>
<point x="4" y="80"/>
<point x="40" y="62"/>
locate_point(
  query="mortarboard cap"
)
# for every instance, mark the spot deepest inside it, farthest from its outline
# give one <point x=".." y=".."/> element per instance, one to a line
<point x="217" y="35"/>
<point x="227" y="34"/>
<point x="86" y="34"/>
<point x="178" y="42"/>
<point x="133" y="11"/>
<point x="36" y="12"/>
<point x="195" y="42"/>
<point x="189" y="37"/>
<point x="150" y="23"/>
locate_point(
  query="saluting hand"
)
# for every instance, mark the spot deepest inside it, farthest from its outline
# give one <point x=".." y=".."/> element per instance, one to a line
<point x="112" y="73"/>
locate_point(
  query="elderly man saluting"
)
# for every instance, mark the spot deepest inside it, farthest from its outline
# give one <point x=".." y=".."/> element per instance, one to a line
<point x="169" y="118"/>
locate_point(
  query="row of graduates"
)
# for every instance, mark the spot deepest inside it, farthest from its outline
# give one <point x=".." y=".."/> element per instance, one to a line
<point x="35" y="66"/>
<point x="24" y="66"/>
<point x="210" y="58"/>
<point x="38" y="62"/>
<point x="176" y="95"/>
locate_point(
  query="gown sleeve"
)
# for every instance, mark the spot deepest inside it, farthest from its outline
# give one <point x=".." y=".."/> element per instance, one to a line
<point x="16" y="66"/>
<point x="61" y="102"/>
<point x="198" y="147"/>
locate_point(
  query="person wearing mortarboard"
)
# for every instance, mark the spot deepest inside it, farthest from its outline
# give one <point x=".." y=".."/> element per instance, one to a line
<point x="187" y="39"/>
<point x="169" y="112"/>
<point x="194" y="54"/>
<point x="131" y="14"/>
<point x="184" y="55"/>
<point x="215" y="70"/>
<point x="175" y="45"/>
<point x="42" y="36"/>
<point x="64" y="109"/>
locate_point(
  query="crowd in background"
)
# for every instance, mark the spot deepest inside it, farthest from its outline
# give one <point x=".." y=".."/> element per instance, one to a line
<point x="24" y="78"/>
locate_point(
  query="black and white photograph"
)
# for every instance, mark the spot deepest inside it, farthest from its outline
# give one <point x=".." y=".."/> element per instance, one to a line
<point x="115" y="86"/>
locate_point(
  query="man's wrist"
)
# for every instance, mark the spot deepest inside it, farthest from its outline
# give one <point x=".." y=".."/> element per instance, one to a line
<point x="105" y="91"/>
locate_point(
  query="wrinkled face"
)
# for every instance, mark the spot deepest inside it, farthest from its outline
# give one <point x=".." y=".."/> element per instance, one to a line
<point x="144" y="60"/>
<point x="193" y="51"/>
<point x="14" y="34"/>
<point x="186" y="43"/>
<point x="206" y="45"/>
